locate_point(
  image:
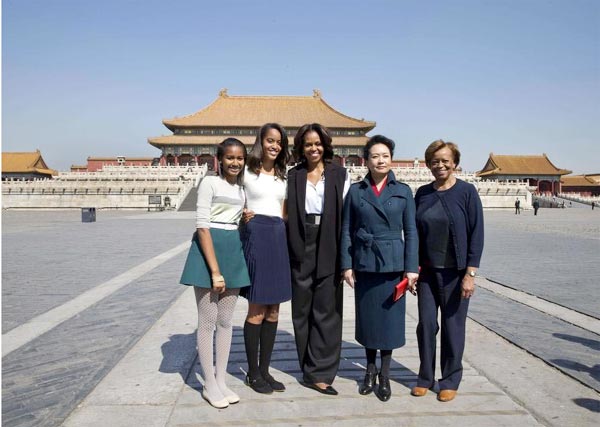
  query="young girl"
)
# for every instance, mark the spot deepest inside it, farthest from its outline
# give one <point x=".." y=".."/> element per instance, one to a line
<point x="215" y="266"/>
<point x="265" y="248"/>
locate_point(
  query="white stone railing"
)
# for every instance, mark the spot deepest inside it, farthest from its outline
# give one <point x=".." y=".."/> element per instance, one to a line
<point x="114" y="188"/>
<point x="577" y="197"/>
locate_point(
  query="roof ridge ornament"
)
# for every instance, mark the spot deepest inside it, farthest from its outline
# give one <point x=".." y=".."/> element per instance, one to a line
<point x="223" y="93"/>
<point x="316" y="93"/>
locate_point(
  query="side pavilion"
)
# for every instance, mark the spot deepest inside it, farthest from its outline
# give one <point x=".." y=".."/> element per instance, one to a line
<point x="537" y="170"/>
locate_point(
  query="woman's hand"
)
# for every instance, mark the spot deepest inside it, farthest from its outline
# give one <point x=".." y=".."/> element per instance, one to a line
<point x="349" y="277"/>
<point x="467" y="286"/>
<point x="218" y="283"/>
<point x="247" y="215"/>
<point x="412" y="282"/>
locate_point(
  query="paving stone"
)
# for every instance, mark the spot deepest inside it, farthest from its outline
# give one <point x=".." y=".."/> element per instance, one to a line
<point x="555" y="255"/>
<point x="569" y="348"/>
<point x="49" y="257"/>
<point x="44" y="380"/>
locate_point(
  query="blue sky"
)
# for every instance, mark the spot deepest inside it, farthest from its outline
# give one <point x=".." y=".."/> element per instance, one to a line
<point x="96" y="78"/>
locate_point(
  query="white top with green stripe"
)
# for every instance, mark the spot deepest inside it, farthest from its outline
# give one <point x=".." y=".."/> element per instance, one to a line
<point x="219" y="202"/>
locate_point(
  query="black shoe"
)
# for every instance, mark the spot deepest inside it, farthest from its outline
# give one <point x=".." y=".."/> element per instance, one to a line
<point x="258" y="384"/>
<point x="275" y="385"/>
<point x="368" y="383"/>
<point x="385" y="391"/>
<point x="329" y="390"/>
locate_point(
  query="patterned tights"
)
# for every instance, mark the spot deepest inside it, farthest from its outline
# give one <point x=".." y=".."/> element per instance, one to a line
<point x="215" y="311"/>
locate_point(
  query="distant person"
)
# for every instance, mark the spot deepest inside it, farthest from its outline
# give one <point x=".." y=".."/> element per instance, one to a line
<point x="570" y="204"/>
<point x="266" y="251"/>
<point x="379" y="247"/>
<point x="450" y="226"/>
<point x="216" y="268"/>
<point x="593" y="205"/>
<point x="517" y="206"/>
<point x="536" y="206"/>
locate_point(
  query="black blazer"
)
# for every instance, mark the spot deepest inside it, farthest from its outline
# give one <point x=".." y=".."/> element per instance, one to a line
<point x="331" y="219"/>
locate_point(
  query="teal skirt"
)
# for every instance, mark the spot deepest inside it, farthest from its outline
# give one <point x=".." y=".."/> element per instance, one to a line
<point x="228" y="250"/>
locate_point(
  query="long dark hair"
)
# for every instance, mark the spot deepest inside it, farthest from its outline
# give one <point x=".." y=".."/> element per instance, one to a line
<point x="256" y="153"/>
<point x="323" y="133"/>
<point x="222" y="147"/>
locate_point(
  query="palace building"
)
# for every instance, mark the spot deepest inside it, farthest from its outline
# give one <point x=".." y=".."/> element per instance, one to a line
<point x="587" y="185"/>
<point x="195" y="137"/>
<point x="537" y="170"/>
<point x="25" y="165"/>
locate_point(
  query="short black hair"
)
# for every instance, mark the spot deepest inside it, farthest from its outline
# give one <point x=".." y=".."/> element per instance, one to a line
<point x="222" y="147"/>
<point x="378" y="139"/>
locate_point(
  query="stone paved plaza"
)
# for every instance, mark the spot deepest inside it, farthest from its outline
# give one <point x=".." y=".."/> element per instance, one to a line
<point x="96" y="331"/>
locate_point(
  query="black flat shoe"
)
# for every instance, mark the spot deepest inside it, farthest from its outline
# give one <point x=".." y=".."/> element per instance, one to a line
<point x="329" y="390"/>
<point x="368" y="383"/>
<point x="385" y="391"/>
<point x="258" y="384"/>
<point x="275" y="385"/>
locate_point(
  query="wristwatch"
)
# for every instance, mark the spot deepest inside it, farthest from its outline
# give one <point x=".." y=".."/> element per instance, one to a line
<point x="471" y="273"/>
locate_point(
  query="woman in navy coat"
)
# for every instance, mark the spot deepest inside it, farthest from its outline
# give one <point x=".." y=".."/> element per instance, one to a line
<point x="379" y="247"/>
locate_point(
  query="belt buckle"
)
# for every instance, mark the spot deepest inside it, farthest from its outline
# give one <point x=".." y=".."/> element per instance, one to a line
<point x="317" y="219"/>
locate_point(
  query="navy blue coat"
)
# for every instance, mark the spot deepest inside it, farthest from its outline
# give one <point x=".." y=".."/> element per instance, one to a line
<point x="379" y="234"/>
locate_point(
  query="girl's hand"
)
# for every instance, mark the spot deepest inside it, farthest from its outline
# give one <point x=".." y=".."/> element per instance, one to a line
<point x="247" y="215"/>
<point x="218" y="283"/>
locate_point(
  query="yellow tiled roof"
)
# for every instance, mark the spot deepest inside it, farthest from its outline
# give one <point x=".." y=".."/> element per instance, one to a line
<point x="520" y="165"/>
<point x="160" y="141"/>
<point x="581" y="180"/>
<point x="25" y="162"/>
<point x="254" y="111"/>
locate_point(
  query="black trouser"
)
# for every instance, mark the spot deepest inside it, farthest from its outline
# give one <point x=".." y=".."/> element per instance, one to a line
<point x="317" y="315"/>
<point x="441" y="288"/>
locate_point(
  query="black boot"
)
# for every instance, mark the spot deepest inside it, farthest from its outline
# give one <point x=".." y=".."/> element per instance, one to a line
<point x="385" y="391"/>
<point x="369" y="382"/>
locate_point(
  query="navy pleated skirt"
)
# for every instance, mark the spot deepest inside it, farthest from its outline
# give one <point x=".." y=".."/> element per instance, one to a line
<point x="380" y="322"/>
<point x="265" y="248"/>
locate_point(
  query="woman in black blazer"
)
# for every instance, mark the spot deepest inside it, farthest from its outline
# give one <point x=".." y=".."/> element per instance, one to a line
<point x="316" y="188"/>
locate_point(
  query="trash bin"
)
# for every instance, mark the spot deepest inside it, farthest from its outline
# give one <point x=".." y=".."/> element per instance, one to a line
<point x="88" y="214"/>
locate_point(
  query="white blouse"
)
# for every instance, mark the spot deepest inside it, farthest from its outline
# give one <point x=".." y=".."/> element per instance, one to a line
<point x="265" y="194"/>
<point x="315" y="195"/>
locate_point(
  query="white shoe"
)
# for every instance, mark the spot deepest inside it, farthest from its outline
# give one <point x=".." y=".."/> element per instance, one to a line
<point x="219" y="404"/>
<point x="229" y="395"/>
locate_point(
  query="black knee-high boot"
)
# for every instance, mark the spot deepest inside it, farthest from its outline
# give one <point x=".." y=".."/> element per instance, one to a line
<point x="267" y="342"/>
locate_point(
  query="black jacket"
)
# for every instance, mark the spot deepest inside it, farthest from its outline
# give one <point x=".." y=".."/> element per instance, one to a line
<point x="331" y="219"/>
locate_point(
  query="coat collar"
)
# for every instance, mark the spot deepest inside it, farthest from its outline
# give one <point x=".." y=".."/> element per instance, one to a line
<point x="377" y="202"/>
<point x="391" y="179"/>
